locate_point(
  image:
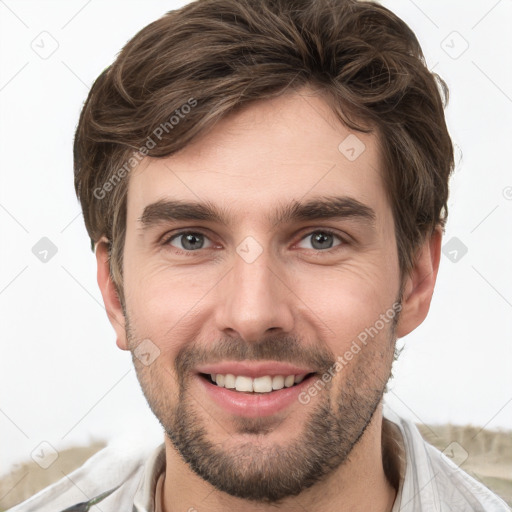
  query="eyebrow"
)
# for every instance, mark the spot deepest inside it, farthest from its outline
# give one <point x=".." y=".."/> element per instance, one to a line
<point x="315" y="209"/>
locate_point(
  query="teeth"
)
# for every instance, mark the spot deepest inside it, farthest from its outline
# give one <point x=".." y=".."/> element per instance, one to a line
<point x="264" y="384"/>
<point x="243" y="383"/>
<point x="229" y="381"/>
<point x="278" y="382"/>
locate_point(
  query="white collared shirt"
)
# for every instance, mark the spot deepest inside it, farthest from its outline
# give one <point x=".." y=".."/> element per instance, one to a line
<point x="128" y="476"/>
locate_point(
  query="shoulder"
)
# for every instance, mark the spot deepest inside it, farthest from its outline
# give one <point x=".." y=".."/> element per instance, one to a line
<point x="112" y="476"/>
<point x="430" y="479"/>
<point x="457" y="488"/>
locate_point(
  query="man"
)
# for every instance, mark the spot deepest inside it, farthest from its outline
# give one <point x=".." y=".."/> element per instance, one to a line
<point x="265" y="185"/>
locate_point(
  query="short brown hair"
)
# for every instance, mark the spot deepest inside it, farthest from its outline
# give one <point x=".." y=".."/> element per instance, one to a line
<point x="216" y="56"/>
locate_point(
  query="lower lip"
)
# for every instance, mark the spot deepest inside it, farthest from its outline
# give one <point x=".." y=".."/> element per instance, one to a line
<point x="254" y="405"/>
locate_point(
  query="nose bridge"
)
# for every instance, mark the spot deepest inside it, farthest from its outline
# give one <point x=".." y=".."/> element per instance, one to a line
<point x="254" y="297"/>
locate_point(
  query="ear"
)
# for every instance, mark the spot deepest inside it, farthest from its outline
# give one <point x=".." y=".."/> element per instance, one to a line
<point x="419" y="284"/>
<point x="108" y="291"/>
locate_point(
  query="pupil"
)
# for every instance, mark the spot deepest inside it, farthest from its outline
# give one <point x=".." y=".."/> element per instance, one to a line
<point x="189" y="241"/>
<point x="322" y="238"/>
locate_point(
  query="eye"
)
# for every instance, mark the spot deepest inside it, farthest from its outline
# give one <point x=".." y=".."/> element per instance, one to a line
<point x="189" y="241"/>
<point x="321" y="240"/>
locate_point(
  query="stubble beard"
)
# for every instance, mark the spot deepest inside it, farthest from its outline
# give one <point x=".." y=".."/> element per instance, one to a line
<point x="252" y="469"/>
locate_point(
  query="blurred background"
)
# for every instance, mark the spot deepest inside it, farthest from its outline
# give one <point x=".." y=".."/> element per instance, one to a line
<point x="63" y="380"/>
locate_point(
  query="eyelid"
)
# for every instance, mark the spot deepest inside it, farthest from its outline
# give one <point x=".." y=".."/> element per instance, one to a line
<point x="170" y="235"/>
<point x="343" y="238"/>
<point x="329" y="231"/>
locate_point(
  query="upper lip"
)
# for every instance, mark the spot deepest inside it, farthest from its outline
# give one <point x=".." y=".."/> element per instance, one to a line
<point x="253" y="369"/>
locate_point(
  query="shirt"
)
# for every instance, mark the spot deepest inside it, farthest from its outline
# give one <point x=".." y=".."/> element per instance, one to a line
<point x="125" y="479"/>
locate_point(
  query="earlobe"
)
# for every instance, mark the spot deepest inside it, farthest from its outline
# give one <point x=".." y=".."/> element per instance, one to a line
<point x="109" y="293"/>
<point x="419" y="285"/>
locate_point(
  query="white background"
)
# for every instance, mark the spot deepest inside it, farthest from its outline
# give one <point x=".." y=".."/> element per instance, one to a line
<point x="62" y="378"/>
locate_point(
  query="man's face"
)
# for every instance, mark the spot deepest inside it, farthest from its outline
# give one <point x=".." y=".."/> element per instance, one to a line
<point x="263" y="294"/>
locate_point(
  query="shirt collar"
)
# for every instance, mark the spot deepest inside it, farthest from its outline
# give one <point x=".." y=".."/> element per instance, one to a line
<point x="144" y="500"/>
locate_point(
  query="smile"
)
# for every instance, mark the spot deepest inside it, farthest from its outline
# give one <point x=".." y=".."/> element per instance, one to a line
<point x="254" y="397"/>
<point x="263" y="384"/>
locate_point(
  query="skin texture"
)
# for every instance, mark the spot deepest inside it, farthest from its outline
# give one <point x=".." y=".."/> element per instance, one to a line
<point x="295" y="303"/>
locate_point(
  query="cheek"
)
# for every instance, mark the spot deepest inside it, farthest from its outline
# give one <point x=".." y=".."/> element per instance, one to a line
<point x="347" y="300"/>
<point x="163" y="304"/>
<point x="158" y="290"/>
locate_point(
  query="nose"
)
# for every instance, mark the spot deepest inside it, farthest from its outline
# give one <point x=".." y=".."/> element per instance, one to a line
<point x="254" y="299"/>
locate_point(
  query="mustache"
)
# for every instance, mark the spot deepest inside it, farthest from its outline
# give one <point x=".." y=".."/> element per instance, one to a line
<point x="282" y="348"/>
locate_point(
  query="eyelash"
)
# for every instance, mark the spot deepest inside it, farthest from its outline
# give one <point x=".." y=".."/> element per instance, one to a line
<point x="329" y="232"/>
<point x="167" y="239"/>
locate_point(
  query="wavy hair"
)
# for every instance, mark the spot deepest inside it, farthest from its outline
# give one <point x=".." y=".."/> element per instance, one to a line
<point x="223" y="54"/>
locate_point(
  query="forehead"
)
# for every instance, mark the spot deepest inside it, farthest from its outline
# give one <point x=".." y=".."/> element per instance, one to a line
<point x="287" y="149"/>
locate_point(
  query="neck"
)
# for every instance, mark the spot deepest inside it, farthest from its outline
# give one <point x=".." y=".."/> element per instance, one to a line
<point x="368" y="480"/>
